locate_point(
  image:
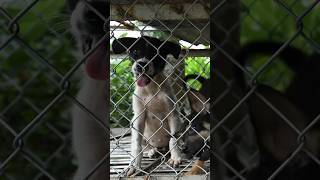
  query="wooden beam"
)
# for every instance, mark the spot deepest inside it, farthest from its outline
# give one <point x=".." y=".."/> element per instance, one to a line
<point x="147" y="12"/>
<point x="126" y="2"/>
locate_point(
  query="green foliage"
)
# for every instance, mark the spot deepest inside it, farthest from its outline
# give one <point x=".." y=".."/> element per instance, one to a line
<point x="278" y="75"/>
<point x="121" y="88"/>
<point x="28" y="86"/>
<point x="199" y="66"/>
<point x="268" y="20"/>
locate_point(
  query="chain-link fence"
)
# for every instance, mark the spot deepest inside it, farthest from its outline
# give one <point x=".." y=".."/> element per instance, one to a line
<point x="259" y="131"/>
<point x="162" y="21"/>
<point x="35" y="119"/>
<point x="266" y="54"/>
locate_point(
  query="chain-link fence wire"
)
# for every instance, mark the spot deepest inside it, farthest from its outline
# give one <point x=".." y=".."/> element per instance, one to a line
<point x="36" y="52"/>
<point x="37" y="47"/>
<point x="292" y="23"/>
<point x="33" y="91"/>
<point x="154" y="23"/>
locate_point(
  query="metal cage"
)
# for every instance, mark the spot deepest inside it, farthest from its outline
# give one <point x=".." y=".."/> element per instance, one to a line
<point x="39" y="83"/>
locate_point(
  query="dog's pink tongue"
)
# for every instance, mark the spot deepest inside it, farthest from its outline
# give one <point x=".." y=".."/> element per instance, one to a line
<point x="96" y="65"/>
<point x="143" y="80"/>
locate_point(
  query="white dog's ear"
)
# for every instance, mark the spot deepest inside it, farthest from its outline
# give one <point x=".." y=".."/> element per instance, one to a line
<point x="198" y="102"/>
<point x="122" y="44"/>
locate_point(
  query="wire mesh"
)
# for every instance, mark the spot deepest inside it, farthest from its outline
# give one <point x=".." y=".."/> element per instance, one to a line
<point x="39" y="88"/>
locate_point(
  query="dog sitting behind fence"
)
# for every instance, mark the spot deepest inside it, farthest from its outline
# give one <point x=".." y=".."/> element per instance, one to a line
<point x="156" y="118"/>
<point x="196" y="141"/>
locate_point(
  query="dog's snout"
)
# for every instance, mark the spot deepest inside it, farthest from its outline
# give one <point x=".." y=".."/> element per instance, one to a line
<point x="142" y="66"/>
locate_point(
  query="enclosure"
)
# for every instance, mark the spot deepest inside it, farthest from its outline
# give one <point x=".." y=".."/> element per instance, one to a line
<point x="40" y="72"/>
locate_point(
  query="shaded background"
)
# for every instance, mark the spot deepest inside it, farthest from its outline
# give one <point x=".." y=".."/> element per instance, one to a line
<point x="37" y="50"/>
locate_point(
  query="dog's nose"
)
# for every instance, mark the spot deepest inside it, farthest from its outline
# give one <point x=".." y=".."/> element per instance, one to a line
<point x="140" y="66"/>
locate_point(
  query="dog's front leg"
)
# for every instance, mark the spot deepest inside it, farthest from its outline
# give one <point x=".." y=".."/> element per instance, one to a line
<point x="175" y="125"/>
<point x="137" y="130"/>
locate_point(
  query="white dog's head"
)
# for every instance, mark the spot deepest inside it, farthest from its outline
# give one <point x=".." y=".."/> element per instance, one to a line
<point x="147" y="54"/>
<point x="87" y="25"/>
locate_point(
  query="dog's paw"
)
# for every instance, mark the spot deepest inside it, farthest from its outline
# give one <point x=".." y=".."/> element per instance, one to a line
<point x="130" y="171"/>
<point x="196" y="169"/>
<point x="152" y="152"/>
<point x="174" y="161"/>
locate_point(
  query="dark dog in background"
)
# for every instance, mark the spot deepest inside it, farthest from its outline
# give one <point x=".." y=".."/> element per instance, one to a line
<point x="304" y="89"/>
<point x="278" y="133"/>
<point x="89" y="138"/>
<point x="277" y="140"/>
<point x="197" y="140"/>
<point x="156" y="120"/>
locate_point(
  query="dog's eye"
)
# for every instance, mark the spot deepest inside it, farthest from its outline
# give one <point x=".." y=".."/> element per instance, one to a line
<point x="135" y="53"/>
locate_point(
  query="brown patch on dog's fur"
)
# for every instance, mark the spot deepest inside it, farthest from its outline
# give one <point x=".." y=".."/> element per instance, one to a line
<point x="196" y="169"/>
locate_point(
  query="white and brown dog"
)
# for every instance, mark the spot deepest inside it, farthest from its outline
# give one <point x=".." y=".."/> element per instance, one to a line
<point x="156" y="119"/>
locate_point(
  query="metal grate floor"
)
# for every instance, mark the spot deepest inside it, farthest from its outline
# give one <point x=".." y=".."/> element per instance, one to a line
<point x="120" y="159"/>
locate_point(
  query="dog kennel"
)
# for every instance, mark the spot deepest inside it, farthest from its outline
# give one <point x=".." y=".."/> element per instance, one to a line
<point x="38" y="72"/>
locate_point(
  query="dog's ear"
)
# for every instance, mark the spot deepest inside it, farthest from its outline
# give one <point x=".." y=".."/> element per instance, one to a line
<point x="276" y="137"/>
<point x="198" y="102"/>
<point x="122" y="44"/>
<point x="171" y="48"/>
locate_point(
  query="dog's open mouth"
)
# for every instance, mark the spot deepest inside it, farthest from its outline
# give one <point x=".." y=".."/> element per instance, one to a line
<point x="143" y="80"/>
<point x="96" y="63"/>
